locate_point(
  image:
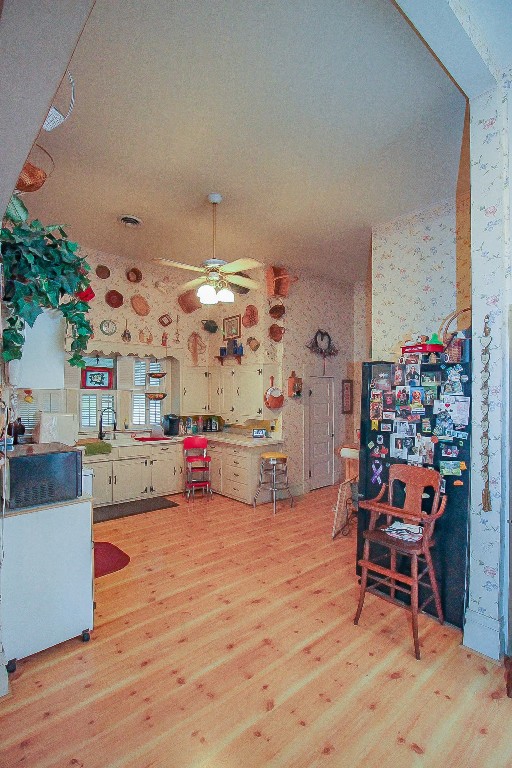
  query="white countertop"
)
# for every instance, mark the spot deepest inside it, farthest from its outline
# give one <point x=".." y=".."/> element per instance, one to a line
<point x="226" y="438"/>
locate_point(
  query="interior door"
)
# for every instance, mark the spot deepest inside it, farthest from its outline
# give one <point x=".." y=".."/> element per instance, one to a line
<point x="321" y="431"/>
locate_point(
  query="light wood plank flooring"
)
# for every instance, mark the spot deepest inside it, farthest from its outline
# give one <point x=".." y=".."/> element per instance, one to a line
<point x="229" y="641"/>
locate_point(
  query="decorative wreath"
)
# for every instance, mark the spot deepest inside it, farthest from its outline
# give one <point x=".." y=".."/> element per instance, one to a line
<point x="321" y="344"/>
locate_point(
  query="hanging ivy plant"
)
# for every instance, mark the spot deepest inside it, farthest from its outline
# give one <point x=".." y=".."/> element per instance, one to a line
<point x="42" y="270"/>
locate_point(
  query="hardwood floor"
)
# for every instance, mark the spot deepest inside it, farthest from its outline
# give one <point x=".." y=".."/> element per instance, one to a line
<point x="229" y="641"/>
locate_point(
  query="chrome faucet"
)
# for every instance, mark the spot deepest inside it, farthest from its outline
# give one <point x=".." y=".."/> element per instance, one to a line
<point x="101" y="433"/>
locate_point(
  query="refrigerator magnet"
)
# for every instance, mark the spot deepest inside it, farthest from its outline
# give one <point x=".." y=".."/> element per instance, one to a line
<point x="458" y="482"/>
<point x="371" y="444"/>
<point x="385" y="427"/>
<point x="463" y="465"/>
<point x="374" y="425"/>
<point x="380" y="439"/>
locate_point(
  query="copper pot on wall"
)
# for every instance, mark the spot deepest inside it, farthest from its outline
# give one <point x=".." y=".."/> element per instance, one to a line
<point x="276" y="332"/>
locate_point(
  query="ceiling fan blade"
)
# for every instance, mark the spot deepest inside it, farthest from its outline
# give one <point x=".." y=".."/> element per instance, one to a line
<point x="240" y="265"/>
<point x="245" y="282"/>
<point x="191" y="284"/>
<point x="179" y="265"/>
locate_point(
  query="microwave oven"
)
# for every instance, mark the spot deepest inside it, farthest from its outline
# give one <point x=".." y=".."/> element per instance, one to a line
<point x="43" y="473"/>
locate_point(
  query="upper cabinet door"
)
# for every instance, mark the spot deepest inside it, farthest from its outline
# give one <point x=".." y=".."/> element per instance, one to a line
<point x="194" y="390"/>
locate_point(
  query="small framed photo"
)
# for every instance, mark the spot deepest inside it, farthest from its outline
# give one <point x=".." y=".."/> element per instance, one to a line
<point x="347" y="397"/>
<point x="97" y="378"/>
<point x="232" y="327"/>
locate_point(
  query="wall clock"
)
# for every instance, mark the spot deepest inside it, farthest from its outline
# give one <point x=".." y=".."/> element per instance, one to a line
<point x="108" y="327"/>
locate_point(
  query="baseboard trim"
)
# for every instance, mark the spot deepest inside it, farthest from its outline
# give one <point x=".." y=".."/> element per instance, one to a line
<point x="482" y="634"/>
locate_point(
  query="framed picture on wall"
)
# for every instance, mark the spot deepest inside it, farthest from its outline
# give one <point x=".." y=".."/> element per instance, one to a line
<point x="347" y="396"/>
<point x="97" y="378"/>
<point x="231" y="327"/>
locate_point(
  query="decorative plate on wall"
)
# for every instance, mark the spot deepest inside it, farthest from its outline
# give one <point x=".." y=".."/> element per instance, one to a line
<point x="114" y="299"/>
<point x="102" y="271"/>
<point x="134" y="275"/>
<point x="108" y="327"/>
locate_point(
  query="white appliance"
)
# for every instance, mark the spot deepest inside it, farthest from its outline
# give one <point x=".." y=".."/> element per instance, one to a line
<point x="57" y="428"/>
<point x="47" y="578"/>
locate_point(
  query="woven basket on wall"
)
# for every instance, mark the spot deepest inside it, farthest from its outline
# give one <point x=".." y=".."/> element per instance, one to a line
<point x="36" y="170"/>
<point x="453" y="345"/>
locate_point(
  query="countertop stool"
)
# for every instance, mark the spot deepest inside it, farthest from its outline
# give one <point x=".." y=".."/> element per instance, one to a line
<point x="273" y="475"/>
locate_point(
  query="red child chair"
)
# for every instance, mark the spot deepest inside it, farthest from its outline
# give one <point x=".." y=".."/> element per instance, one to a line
<point x="197" y="465"/>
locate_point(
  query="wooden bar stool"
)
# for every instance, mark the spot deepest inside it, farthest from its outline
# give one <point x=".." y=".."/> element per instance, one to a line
<point x="273" y="475"/>
<point x="380" y="567"/>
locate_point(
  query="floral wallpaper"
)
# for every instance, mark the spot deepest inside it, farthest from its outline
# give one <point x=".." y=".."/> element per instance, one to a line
<point x="413" y="277"/>
<point x="491" y="297"/>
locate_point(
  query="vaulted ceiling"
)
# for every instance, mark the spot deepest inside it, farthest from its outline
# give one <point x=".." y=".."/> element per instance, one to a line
<point x="314" y="120"/>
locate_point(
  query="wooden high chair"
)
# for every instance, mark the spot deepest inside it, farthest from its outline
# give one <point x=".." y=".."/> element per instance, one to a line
<point x="385" y="579"/>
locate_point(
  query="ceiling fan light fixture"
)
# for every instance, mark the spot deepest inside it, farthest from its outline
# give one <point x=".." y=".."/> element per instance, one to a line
<point x="226" y="295"/>
<point x="207" y="294"/>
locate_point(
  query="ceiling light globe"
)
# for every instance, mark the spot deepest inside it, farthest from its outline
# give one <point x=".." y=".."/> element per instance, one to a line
<point x="226" y="296"/>
<point x="207" y="294"/>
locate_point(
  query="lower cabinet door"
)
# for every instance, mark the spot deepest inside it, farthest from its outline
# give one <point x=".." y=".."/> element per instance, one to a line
<point x="164" y="479"/>
<point x="216" y="470"/>
<point x="101" y="482"/>
<point x="132" y="479"/>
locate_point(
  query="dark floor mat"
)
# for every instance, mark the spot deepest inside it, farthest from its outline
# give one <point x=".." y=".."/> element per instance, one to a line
<point x="113" y="511"/>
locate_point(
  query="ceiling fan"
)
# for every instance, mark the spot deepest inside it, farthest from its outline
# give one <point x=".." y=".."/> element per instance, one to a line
<point x="216" y="274"/>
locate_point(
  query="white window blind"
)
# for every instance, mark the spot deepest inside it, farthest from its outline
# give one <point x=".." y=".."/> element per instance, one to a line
<point x="155" y="411"/>
<point x="139" y="373"/>
<point x="139" y="409"/>
<point x="88" y="410"/>
<point x="154" y="367"/>
<point x="27" y="412"/>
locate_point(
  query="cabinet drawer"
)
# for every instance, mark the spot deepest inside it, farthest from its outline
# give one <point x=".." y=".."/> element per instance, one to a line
<point x="236" y="474"/>
<point x="165" y="451"/>
<point x="238" y="460"/>
<point x="236" y="490"/>
<point x="132" y="451"/>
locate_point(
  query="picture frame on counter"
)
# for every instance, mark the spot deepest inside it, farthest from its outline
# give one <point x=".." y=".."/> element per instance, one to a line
<point x="347" y="396"/>
<point x="232" y="327"/>
<point x="97" y="378"/>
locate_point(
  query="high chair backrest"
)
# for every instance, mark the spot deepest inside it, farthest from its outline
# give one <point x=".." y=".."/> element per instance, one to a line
<point x="416" y="481"/>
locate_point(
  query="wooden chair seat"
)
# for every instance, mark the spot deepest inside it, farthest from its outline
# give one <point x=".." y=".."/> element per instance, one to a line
<point x="379" y="536"/>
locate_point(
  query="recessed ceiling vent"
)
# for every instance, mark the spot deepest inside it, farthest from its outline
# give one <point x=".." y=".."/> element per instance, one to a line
<point x="130" y="221"/>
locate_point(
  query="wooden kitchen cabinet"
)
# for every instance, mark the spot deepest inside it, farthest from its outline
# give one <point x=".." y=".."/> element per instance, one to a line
<point x="194" y="390"/>
<point x="166" y="470"/>
<point x="237" y="393"/>
<point x="102" y="482"/>
<point x="237" y="471"/>
<point x="215" y="468"/>
<point x="132" y="479"/>
<point x="249" y="393"/>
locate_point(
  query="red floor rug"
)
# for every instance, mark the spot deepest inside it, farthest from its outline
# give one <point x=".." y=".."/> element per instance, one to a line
<point x="108" y="558"/>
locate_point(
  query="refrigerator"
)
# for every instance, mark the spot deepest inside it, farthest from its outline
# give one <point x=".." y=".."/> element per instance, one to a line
<point x="421" y="414"/>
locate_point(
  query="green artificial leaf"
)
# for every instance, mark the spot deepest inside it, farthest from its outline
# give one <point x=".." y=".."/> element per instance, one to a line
<point x="30" y="312"/>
